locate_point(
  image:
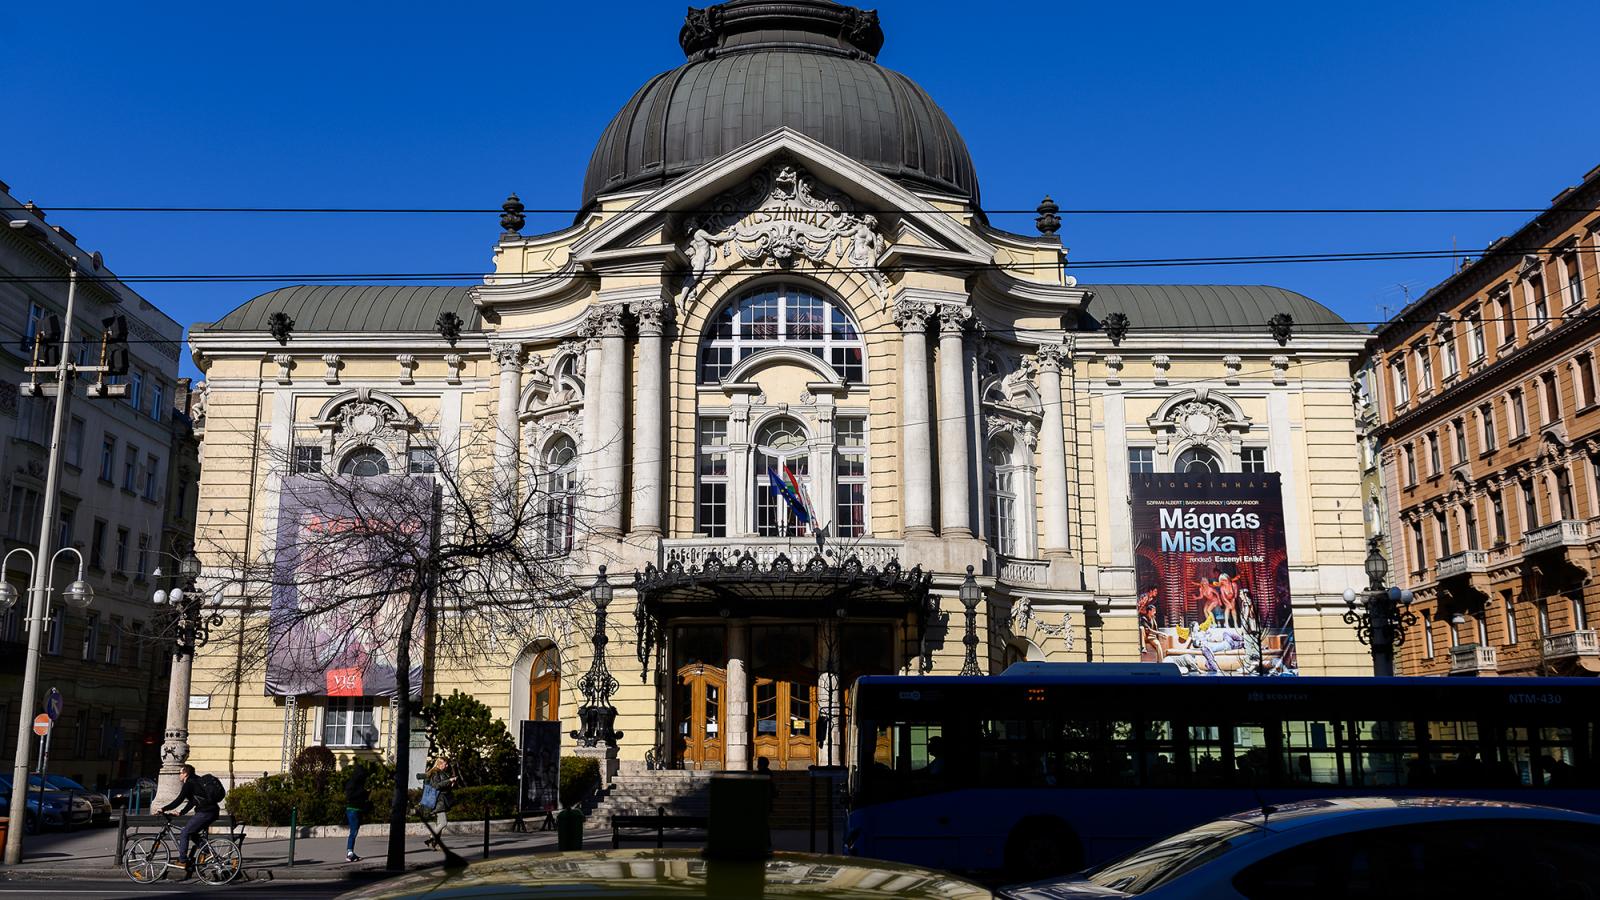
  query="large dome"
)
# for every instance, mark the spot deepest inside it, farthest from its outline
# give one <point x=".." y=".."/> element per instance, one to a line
<point x="757" y="65"/>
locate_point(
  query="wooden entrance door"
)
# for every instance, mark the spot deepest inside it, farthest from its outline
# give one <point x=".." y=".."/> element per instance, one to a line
<point x="700" y="707"/>
<point x="544" y="687"/>
<point x="785" y="714"/>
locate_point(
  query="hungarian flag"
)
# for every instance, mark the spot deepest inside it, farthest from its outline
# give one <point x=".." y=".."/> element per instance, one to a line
<point x="788" y="487"/>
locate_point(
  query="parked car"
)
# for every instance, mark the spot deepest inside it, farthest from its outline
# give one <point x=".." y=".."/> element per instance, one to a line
<point x="47" y="808"/>
<point x="99" y="803"/>
<point x="131" y="793"/>
<point x="685" y="873"/>
<point x="1412" y="847"/>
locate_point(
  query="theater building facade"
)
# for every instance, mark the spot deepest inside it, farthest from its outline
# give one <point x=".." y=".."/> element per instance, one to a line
<point x="782" y="268"/>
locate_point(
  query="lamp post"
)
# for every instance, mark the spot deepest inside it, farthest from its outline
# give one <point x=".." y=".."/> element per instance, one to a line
<point x="190" y="629"/>
<point x="1381" y="614"/>
<point x="971" y="595"/>
<point x="597" y="718"/>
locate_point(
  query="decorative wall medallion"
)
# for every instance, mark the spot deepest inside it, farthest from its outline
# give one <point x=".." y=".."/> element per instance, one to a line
<point x="781" y="218"/>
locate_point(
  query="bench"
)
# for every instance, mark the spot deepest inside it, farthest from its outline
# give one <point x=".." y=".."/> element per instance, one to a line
<point x="659" y="829"/>
<point x="135" y="826"/>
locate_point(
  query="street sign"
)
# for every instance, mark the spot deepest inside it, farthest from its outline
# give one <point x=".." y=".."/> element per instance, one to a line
<point x="52" y="704"/>
<point x="41" y="724"/>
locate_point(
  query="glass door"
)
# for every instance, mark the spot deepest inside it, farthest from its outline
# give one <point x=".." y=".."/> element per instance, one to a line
<point x="785" y="722"/>
<point x="698" y="733"/>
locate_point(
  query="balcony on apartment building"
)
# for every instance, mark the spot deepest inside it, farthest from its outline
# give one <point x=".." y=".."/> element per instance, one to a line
<point x="1467" y="562"/>
<point x="1473" y="659"/>
<point x="1572" y="645"/>
<point x="1557" y="535"/>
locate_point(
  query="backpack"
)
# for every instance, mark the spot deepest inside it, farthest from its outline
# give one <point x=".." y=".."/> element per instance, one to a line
<point x="208" y="789"/>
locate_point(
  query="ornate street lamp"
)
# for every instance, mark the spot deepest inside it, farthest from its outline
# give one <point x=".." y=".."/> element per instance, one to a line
<point x="971" y="595"/>
<point x="597" y="718"/>
<point x="1381" y="614"/>
<point x="189" y="628"/>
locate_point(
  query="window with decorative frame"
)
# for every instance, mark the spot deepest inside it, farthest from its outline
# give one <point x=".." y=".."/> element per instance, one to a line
<point x="1480" y="347"/>
<point x="711" y="502"/>
<point x="1424" y="368"/>
<point x="1141" y="460"/>
<point x="1002" y="495"/>
<point x="560" y="465"/>
<point x="1252" y="459"/>
<point x="364" y="462"/>
<point x="1452" y="361"/>
<point x="782" y="315"/>
<point x="349" y="722"/>
<point x="1197" y="460"/>
<point x="1402" y="384"/>
<point x="1572" y="277"/>
<point x="781" y="449"/>
<point x="850" y="476"/>
<point x="1533" y="287"/>
<point x="421" y="461"/>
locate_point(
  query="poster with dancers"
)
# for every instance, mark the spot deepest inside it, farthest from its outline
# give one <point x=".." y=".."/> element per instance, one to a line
<point x="1212" y="573"/>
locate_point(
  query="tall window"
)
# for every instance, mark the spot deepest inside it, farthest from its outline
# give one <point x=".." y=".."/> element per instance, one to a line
<point x="1519" y="413"/>
<point x="1498" y="502"/>
<point x="1511" y="617"/>
<point x="850" y="471"/>
<point x="152" y="468"/>
<point x="1572" y="277"/>
<point x="75" y="443"/>
<point x="1530" y="505"/>
<point x="1452" y="363"/>
<point x="136" y="388"/>
<point x="1460" y="427"/>
<point x="142" y="561"/>
<point x="1435" y="465"/>
<point x="1580" y="616"/>
<point x="1002" y="496"/>
<point x="1196" y="460"/>
<point x="1508" y="319"/>
<point x="348" y="722"/>
<point x="1419" y="550"/>
<point x="1542" y="607"/>
<point x="1252" y="459"/>
<point x="1469" y="522"/>
<point x="158" y="399"/>
<point x="1424" y="368"/>
<point x="364" y="462"/>
<point x="1550" y="397"/>
<point x="1402" y="384"/>
<point x="1585" y="379"/>
<point x="307" y="459"/>
<point x="561" y="494"/>
<point x="122" y="551"/>
<point x="1537" y="301"/>
<point x="1486" y="423"/>
<point x="544" y="687"/>
<point x="782" y="316"/>
<point x="91" y="636"/>
<point x="1410" y="453"/>
<point x="713" y="499"/>
<point x="64" y="525"/>
<point x="1564" y="493"/>
<point x="1480" y="347"/>
<point x="1141" y="460"/>
<point x="1441" y="523"/>
<point x="781" y="450"/>
<point x="108" y="458"/>
<point x="27" y="506"/>
<point x="97" y="544"/>
<point x="1427" y="634"/>
<point x="130" y="467"/>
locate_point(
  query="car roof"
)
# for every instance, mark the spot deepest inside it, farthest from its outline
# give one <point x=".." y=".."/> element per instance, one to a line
<point x="1315" y="813"/>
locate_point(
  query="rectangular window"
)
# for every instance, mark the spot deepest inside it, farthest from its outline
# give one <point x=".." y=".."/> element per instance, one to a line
<point x="1402" y="385"/>
<point x="136" y="388"/>
<point x="1533" y="289"/>
<point x="1480" y="347"/>
<point x="114" y="643"/>
<point x="137" y="635"/>
<point x="1572" y="278"/>
<point x="36" y="315"/>
<point x="64" y="526"/>
<point x="130" y="467"/>
<point x="158" y="400"/>
<point x="1418" y="549"/>
<point x="1585" y="379"/>
<point x="851" y="476"/>
<point x="1543" y="608"/>
<point x="1435" y="464"/>
<point x="1550" y="397"/>
<point x="420" y="461"/>
<point x="1486" y="423"/>
<point x="1452" y="363"/>
<point x="1563" y="497"/>
<point x="1427" y="634"/>
<point x="1469" y="522"/>
<point x="97" y="544"/>
<point x="1519" y="414"/>
<point x="152" y="468"/>
<point x="1530" y="506"/>
<point x="348" y="722"/>
<point x="108" y="458"/>
<point x="307" y="459"/>
<point x="91" y="636"/>
<point x="1511" y="617"/>
<point x="122" y="551"/>
<point x="26" y="508"/>
<point x="1460" y="427"/>
<point x="57" y="633"/>
<point x="1508" y="319"/>
<point x="1141" y="460"/>
<point x="1498" y="502"/>
<point x="1580" y="616"/>
<point x="74" y="454"/>
<point x="1410" y="452"/>
<point x="1424" y="369"/>
<point x="712" y="503"/>
<point x="143" y="559"/>
<point x="1252" y="459"/>
<point x="1441" y="524"/>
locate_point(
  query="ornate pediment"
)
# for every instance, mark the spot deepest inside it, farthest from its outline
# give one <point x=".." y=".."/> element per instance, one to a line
<point x="783" y="218"/>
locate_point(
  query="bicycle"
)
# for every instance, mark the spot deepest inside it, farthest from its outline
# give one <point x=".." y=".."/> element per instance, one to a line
<point x="216" y="860"/>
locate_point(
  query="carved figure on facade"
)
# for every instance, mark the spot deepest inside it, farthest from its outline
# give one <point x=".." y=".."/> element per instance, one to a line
<point x="1026" y="622"/>
<point x="366" y="421"/>
<point x="780" y="218"/>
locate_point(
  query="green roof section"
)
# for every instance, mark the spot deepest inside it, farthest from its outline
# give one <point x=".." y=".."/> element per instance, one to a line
<point x="1225" y="307"/>
<point x="322" y="308"/>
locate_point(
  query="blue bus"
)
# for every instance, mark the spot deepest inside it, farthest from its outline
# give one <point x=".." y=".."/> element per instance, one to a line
<point x="1048" y="767"/>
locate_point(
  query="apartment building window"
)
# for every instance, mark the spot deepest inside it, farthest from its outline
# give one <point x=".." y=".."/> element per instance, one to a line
<point x="158" y="399"/>
<point x="421" y="461"/>
<point x="712" y="503"/>
<point x="74" y="449"/>
<point x="1564" y="493"/>
<point x="1427" y="634"/>
<point x="1253" y="459"/>
<point x="26" y="508"/>
<point x="57" y="632"/>
<point x="136" y="388"/>
<point x="1549" y="397"/>
<point x="1469" y="523"/>
<point x="143" y="559"/>
<point x="1511" y="617"/>
<point x="1435" y="464"/>
<point x="97" y="544"/>
<point x="1460" y="427"/>
<point x="1480" y="627"/>
<point x="307" y="459"/>
<point x="1508" y="319"/>
<point x="65" y="517"/>
<point x="1402" y="385"/>
<point x="1418" y="549"/>
<point x="91" y="636"/>
<point x="36" y="315"/>
<point x="130" y="467"/>
<point x="1410" y="453"/>
<point x="108" y="458"/>
<point x="851" y="476"/>
<point x="1424" y="368"/>
<point x="1572" y="277"/>
<point x="1441" y="524"/>
<point x="1480" y="347"/>
<point x="1580" y="618"/>
<point x="1543" y="607"/>
<point x="152" y="468"/>
<point x="1452" y="362"/>
<point x="1498" y="502"/>
<point x="1002" y="496"/>
<point x="136" y="632"/>
<point x="1486" y="426"/>
<point x="348" y="722"/>
<point x="1455" y="633"/>
<point x="1533" y="287"/>
<point x="1530" y="506"/>
<point x="1141" y="460"/>
<point x="1519" y="413"/>
<point x="114" y="643"/>
<point x="122" y="551"/>
<point x="80" y="735"/>
<point x="1585" y="379"/>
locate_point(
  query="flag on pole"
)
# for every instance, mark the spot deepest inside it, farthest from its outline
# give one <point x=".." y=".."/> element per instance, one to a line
<point x="800" y="491"/>
<point x="789" y="490"/>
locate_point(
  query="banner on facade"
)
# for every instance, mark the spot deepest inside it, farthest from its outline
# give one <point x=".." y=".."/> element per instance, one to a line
<point x="541" y="766"/>
<point x="337" y="604"/>
<point x="1212" y="573"/>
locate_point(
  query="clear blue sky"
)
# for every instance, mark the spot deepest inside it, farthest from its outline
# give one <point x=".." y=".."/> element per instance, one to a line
<point x="1102" y="105"/>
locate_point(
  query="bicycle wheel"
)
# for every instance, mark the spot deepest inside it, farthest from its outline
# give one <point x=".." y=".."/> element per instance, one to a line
<point x="219" y="861"/>
<point x="146" y="860"/>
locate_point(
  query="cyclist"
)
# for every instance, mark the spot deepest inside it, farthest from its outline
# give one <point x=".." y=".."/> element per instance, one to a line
<point x="203" y="794"/>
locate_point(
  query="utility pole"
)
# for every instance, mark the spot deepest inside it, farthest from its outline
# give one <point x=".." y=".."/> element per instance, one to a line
<point x="65" y="372"/>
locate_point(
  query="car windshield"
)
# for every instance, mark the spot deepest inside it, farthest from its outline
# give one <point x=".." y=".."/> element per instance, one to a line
<point x="1165" y="860"/>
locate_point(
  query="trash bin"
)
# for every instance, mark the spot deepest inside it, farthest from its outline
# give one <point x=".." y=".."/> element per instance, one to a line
<point x="569" y="829"/>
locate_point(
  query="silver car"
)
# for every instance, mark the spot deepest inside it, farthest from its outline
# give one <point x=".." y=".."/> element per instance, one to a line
<point x="1356" y="847"/>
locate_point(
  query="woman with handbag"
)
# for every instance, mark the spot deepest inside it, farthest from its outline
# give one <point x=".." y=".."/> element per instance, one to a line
<point x="437" y="796"/>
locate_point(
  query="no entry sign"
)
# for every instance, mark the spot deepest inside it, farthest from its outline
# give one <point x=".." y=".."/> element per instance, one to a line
<point x="41" y="724"/>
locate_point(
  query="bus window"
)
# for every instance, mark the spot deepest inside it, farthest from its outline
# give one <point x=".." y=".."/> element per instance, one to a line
<point x="1252" y="763"/>
<point x="1311" y="753"/>
<point x="1455" y="755"/>
<point x="1013" y="753"/>
<point x="916" y="762"/>
<point x="1558" y="759"/>
<point x="1121" y="752"/>
<point x="1208" y="756"/>
<point x="1385" y="754"/>
<point x="1158" y="754"/>
<point x="1551" y="761"/>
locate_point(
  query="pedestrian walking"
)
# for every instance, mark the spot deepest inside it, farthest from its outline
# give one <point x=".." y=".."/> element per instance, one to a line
<point x="357" y="803"/>
<point x="438" y="796"/>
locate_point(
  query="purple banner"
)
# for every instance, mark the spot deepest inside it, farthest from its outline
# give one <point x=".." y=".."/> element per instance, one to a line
<point x="337" y="605"/>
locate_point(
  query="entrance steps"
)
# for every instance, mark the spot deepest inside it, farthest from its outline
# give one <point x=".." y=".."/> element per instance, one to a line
<point x="637" y="791"/>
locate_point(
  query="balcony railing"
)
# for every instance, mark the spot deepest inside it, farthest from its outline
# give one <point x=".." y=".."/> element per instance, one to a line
<point x="1467" y="562"/>
<point x="692" y="553"/>
<point x="1025" y="571"/>
<point x="1472" y="659"/>
<point x="1561" y="533"/>
<point x="1570" y="644"/>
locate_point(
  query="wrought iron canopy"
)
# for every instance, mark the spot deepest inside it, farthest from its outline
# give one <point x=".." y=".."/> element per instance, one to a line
<point x="740" y="586"/>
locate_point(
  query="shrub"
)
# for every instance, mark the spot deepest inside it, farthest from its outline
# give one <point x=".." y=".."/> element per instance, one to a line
<point x="479" y="746"/>
<point x="579" y="776"/>
<point x="314" y="764"/>
<point x="499" y="800"/>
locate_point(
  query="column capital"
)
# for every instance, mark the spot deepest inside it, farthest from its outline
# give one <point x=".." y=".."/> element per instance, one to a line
<point x="913" y="315"/>
<point x="508" y="354"/>
<point x="653" y="315"/>
<point x="1051" y="357"/>
<point x="954" y="319"/>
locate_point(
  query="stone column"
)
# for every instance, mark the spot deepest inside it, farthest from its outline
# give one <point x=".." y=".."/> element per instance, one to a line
<point x="737" y="741"/>
<point x="916" y="444"/>
<point x="508" y="355"/>
<point x="612" y="413"/>
<point x="589" y="433"/>
<point x="823" y="477"/>
<point x="175" y="746"/>
<point x="649" y="428"/>
<point x="1053" y="451"/>
<point x="955" y="519"/>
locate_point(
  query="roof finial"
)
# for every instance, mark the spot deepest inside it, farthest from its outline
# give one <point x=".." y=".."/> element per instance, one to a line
<point x="1048" y="220"/>
<point x="512" y="219"/>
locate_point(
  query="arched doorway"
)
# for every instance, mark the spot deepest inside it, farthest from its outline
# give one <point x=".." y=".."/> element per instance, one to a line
<point x="544" y="687"/>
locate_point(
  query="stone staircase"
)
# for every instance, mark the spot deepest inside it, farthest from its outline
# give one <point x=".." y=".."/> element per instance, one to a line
<point x="637" y="791"/>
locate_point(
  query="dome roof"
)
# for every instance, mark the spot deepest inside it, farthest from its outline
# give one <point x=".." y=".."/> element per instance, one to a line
<point x="758" y="65"/>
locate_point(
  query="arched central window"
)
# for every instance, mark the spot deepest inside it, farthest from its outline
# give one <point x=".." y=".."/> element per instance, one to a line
<point x="1197" y="460"/>
<point x="560" y="485"/>
<point x="1002" y="497"/>
<point x="780" y="446"/>
<point x="784" y="315"/>
<point x="364" y="462"/>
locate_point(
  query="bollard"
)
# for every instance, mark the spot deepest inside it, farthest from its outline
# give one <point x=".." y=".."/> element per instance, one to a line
<point x="486" y="831"/>
<point x="122" y="833"/>
<point x="569" y="829"/>
<point x="294" y="822"/>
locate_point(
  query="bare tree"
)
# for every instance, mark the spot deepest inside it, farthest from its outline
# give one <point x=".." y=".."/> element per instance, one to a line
<point x="367" y="575"/>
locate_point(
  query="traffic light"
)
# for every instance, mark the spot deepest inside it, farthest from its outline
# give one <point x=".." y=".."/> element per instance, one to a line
<point x="114" y="346"/>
